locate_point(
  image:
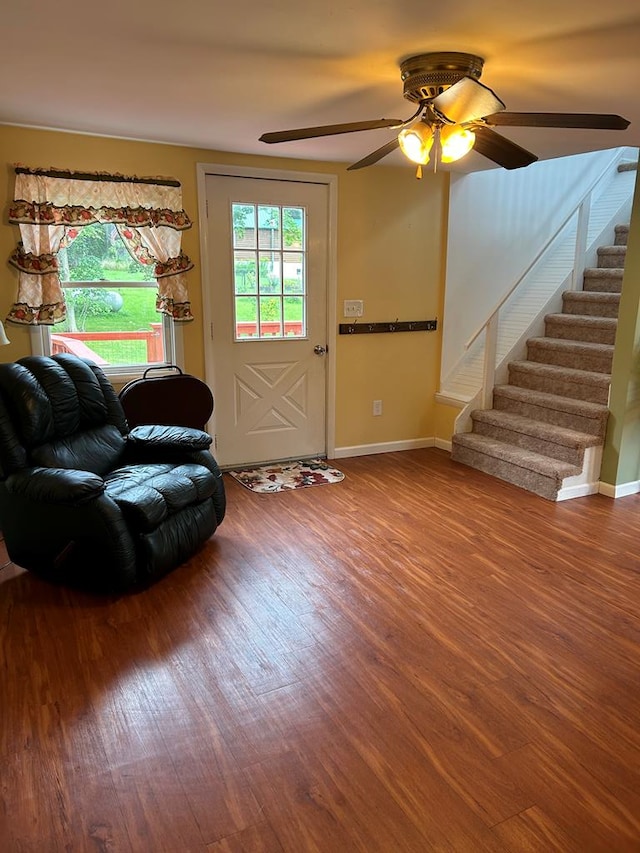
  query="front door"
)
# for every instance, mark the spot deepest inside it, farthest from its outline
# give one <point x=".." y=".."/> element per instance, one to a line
<point x="267" y="248"/>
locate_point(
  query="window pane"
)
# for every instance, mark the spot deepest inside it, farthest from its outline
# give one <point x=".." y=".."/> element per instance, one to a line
<point x="270" y="316"/>
<point x="293" y="227"/>
<point x="246" y="317"/>
<point x="244" y="225"/>
<point x="294" y="325"/>
<point x="245" y="272"/>
<point x="97" y="253"/>
<point x="270" y="273"/>
<point x="293" y="263"/>
<point x="111" y="326"/>
<point x="269" y="236"/>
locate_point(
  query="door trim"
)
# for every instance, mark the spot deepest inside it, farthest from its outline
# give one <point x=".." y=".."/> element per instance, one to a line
<point x="331" y="181"/>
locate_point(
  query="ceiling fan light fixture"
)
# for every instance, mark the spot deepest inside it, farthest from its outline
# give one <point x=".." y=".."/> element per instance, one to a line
<point x="416" y="142"/>
<point x="455" y="143"/>
<point x="465" y="101"/>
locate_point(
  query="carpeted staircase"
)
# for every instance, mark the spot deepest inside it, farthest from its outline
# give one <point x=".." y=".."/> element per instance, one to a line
<point x="546" y="429"/>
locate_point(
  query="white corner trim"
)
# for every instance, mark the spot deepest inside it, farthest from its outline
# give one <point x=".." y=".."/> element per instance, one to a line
<point x="622" y="491"/>
<point x="383" y="447"/>
<point x="444" y="444"/>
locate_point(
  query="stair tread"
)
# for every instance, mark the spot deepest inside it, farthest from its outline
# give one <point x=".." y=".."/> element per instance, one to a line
<point x="572" y="373"/>
<point x="590" y="296"/>
<point x="574" y="346"/>
<point x="537" y="429"/>
<point x="583" y="320"/>
<point x="553" y="401"/>
<point x="604" y="272"/>
<point x="545" y="465"/>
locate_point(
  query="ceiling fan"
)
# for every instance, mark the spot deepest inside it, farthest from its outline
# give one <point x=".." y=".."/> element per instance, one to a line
<point x="455" y="113"/>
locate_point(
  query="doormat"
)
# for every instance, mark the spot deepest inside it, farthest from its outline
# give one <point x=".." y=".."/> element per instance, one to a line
<point x="281" y="476"/>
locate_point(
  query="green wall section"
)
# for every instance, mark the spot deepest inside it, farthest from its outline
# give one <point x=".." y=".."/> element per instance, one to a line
<point x="621" y="460"/>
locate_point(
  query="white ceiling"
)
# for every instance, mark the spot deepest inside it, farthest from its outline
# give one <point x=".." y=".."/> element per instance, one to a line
<point x="216" y="75"/>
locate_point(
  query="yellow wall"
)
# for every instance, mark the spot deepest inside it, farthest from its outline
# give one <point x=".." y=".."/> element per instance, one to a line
<point x="391" y="234"/>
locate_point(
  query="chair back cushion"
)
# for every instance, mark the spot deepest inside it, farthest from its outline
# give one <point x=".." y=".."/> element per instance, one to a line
<point x="176" y="399"/>
<point x="59" y="412"/>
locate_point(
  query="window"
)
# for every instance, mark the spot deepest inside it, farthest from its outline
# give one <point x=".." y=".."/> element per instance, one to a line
<point x="269" y="272"/>
<point x="91" y="220"/>
<point x="111" y="304"/>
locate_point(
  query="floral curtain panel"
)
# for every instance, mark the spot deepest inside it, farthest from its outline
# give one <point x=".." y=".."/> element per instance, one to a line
<point x="49" y="206"/>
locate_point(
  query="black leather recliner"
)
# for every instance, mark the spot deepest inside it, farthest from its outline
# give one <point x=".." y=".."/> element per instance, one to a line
<point x="84" y="500"/>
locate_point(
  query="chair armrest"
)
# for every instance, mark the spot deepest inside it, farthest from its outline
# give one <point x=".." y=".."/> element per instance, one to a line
<point x="55" y="485"/>
<point x="157" y="437"/>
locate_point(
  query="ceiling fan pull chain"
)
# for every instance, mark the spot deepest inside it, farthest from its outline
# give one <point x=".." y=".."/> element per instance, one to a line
<point x="419" y="172"/>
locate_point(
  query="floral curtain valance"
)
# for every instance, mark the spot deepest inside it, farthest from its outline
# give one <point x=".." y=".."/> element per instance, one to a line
<point x="50" y="205"/>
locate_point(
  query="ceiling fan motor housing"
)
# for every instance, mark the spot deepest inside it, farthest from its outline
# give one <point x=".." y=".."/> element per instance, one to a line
<point x="428" y="74"/>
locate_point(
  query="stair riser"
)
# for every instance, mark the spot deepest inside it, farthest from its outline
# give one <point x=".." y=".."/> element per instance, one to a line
<point x="595" y="362"/>
<point x="572" y="455"/>
<point x="545" y="487"/>
<point x="575" y="303"/>
<point x="594" y="283"/>
<point x="622" y="235"/>
<point x="611" y="256"/>
<point x="561" y="387"/>
<point x="579" y="332"/>
<point x="581" y="423"/>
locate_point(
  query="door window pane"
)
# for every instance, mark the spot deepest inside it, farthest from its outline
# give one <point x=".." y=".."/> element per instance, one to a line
<point x="246" y="317"/>
<point x="244" y="272"/>
<point x="294" y="278"/>
<point x="269" y="231"/>
<point x="270" y="317"/>
<point x="293" y="316"/>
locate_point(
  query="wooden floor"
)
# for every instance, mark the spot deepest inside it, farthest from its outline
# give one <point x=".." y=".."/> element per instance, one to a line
<point x="420" y="658"/>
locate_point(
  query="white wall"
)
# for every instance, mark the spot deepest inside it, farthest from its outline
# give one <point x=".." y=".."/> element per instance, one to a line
<point x="498" y="222"/>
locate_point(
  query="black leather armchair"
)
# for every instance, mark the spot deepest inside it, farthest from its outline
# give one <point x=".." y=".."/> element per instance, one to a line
<point x="86" y="501"/>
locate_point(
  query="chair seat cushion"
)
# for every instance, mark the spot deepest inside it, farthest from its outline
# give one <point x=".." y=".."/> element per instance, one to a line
<point x="149" y="493"/>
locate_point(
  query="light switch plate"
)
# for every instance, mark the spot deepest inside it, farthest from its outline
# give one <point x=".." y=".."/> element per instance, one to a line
<point x="353" y="308"/>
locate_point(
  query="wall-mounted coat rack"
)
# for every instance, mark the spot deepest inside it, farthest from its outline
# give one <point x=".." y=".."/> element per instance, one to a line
<point x="356" y="328"/>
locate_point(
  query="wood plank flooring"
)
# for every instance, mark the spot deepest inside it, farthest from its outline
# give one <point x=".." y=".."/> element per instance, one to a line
<point x="420" y="658"/>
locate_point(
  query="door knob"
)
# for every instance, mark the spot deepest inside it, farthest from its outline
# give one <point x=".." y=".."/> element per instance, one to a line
<point x="319" y="349"/>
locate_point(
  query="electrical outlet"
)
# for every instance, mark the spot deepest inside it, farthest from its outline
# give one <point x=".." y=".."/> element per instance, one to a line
<point x="353" y="308"/>
<point x="377" y="407"/>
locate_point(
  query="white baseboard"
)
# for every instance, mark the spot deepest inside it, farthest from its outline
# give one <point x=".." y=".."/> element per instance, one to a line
<point x="579" y="491"/>
<point x="443" y="444"/>
<point x="383" y="447"/>
<point x="622" y="491"/>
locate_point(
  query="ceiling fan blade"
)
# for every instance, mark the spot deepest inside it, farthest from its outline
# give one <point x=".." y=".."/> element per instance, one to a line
<point x="592" y="121"/>
<point x="502" y="151"/>
<point x="328" y="130"/>
<point x="376" y="155"/>
<point x="466" y="100"/>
